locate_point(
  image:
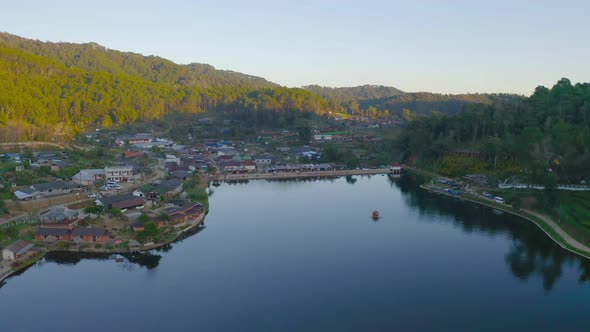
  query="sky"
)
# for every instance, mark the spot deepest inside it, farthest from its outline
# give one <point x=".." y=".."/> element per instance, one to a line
<point x="438" y="46"/>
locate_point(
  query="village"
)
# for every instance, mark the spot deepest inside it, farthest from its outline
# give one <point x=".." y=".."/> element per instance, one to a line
<point x="135" y="192"/>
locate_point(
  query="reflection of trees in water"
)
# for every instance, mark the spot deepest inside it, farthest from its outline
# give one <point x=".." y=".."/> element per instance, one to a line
<point x="350" y="179"/>
<point x="73" y="258"/>
<point x="532" y="253"/>
<point x="145" y="259"/>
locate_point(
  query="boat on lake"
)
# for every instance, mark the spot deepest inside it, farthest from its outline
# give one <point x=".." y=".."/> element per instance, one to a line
<point x="376" y="215"/>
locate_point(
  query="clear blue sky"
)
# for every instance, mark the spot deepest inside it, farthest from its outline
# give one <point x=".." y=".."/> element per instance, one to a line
<point x="440" y="46"/>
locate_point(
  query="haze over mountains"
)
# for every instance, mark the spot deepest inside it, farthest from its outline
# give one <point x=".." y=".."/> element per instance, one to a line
<point x="48" y="88"/>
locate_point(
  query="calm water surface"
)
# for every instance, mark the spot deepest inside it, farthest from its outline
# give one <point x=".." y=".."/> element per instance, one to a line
<point x="306" y="256"/>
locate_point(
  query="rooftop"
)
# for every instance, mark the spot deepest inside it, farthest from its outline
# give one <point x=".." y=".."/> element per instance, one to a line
<point x="19" y="246"/>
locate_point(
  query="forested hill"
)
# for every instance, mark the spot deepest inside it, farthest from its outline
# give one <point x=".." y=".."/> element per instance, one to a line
<point x="55" y="90"/>
<point x="377" y="99"/>
<point x="96" y="58"/>
<point x="427" y="103"/>
<point x="542" y="138"/>
<point x="358" y="92"/>
<point x="42" y="98"/>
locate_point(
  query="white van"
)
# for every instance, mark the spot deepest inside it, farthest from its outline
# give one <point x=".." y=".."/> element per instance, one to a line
<point x="499" y="200"/>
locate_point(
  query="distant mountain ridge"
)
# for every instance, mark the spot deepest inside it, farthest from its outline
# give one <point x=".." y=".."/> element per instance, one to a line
<point x="426" y="102"/>
<point x="50" y="90"/>
<point x="360" y="92"/>
<point x="97" y="58"/>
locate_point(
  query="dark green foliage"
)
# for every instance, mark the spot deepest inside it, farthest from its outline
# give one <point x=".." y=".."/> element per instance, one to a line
<point x="164" y="216"/>
<point x="150" y="232"/>
<point x="547" y="135"/>
<point x="3" y="208"/>
<point x="144" y="218"/>
<point x="94" y="209"/>
<point x="92" y="57"/>
<point x="53" y="91"/>
<point x="358" y="92"/>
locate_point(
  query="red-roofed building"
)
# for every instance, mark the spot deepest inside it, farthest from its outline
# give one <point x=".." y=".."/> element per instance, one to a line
<point x="133" y="154"/>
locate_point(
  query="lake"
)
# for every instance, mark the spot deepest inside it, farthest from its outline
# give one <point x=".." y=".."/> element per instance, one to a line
<point x="306" y="256"/>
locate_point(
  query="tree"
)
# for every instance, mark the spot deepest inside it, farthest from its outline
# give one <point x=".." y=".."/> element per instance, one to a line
<point x="94" y="209"/>
<point x="164" y="216"/>
<point x="305" y="133"/>
<point x="115" y="212"/>
<point x="144" y="218"/>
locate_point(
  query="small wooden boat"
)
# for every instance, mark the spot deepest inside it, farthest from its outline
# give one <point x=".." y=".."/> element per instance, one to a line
<point x="375" y="214"/>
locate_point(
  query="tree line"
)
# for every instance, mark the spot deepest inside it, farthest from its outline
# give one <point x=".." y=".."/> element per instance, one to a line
<point x="546" y="135"/>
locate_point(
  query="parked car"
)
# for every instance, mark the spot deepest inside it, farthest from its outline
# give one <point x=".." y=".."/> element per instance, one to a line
<point x="499" y="200"/>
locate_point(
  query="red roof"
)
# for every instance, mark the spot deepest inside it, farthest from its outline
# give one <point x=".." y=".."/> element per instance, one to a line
<point x="133" y="154"/>
<point x="249" y="163"/>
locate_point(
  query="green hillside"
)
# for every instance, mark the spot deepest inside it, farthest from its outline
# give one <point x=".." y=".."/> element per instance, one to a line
<point x="96" y="58"/>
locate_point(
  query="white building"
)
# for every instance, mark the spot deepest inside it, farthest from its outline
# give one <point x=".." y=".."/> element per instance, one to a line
<point x="395" y="169"/>
<point x="119" y="173"/>
<point x="88" y="177"/>
<point x="322" y="137"/>
<point x="15" y="250"/>
<point x="170" y="158"/>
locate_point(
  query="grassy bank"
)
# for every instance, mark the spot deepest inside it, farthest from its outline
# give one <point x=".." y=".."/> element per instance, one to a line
<point x="569" y="209"/>
<point x="552" y="228"/>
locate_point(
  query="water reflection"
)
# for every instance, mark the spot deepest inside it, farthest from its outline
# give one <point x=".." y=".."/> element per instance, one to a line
<point x="531" y="254"/>
<point x="148" y="259"/>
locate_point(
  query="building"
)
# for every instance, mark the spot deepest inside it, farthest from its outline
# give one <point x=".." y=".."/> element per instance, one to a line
<point x="180" y="174"/>
<point x="87" y="177"/>
<point x="123" y="202"/>
<point x="15" y="157"/>
<point x="90" y="235"/>
<point x="322" y="137"/>
<point x="170" y="158"/>
<point x="15" y="250"/>
<point x="263" y="160"/>
<point x="249" y="165"/>
<point x="26" y="194"/>
<point x="168" y="187"/>
<point x="133" y="154"/>
<point x="134" y="139"/>
<point x="119" y="173"/>
<point x="60" y="217"/>
<point x="187" y="212"/>
<point x="138" y="193"/>
<point x="53" y="234"/>
<point x="39" y="190"/>
<point x="395" y="169"/>
<point x="231" y="166"/>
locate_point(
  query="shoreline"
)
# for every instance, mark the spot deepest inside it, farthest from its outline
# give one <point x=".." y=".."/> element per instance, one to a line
<point x="296" y="175"/>
<point x="541" y="221"/>
<point x="192" y="225"/>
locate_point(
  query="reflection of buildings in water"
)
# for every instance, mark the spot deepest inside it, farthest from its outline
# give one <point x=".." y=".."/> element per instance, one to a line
<point x="148" y="259"/>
